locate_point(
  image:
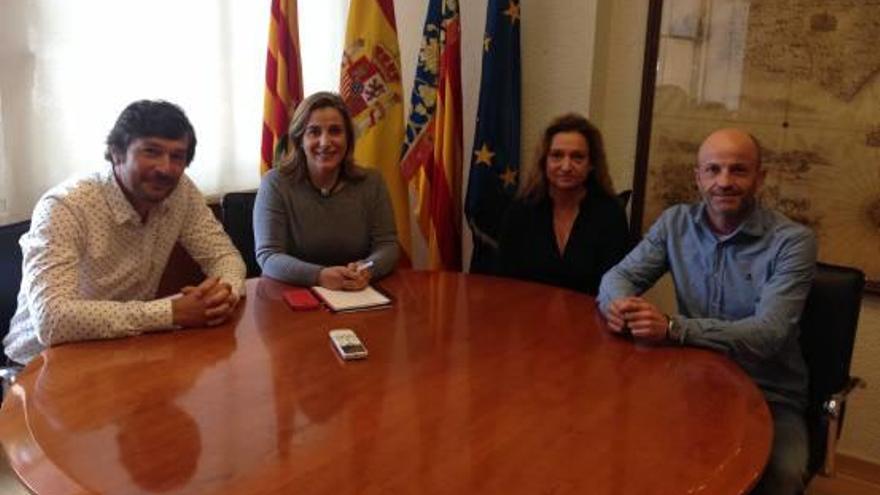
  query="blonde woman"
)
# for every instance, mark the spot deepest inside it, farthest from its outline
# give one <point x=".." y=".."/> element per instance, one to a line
<point x="320" y="219"/>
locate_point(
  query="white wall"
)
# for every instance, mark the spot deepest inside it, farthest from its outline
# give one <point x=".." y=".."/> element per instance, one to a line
<point x="558" y="38"/>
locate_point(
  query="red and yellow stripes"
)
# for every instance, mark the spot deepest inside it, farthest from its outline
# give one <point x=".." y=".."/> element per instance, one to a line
<point x="372" y="89"/>
<point x="444" y="238"/>
<point x="283" y="78"/>
<point x="433" y="147"/>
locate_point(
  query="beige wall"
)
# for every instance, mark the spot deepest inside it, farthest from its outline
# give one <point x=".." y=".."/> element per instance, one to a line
<point x="586" y="56"/>
<point x="861" y="433"/>
<point x="617" y="77"/>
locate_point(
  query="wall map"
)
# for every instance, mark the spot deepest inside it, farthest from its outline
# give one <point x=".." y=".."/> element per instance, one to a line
<point x="804" y="77"/>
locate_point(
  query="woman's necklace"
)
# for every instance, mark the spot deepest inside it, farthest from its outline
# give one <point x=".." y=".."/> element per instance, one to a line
<point x="327" y="191"/>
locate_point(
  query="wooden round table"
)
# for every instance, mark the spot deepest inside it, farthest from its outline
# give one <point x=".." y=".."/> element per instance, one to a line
<point x="473" y="384"/>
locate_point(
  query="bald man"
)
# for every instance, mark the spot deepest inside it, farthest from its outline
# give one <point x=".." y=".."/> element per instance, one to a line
<point x="742" y="273"/>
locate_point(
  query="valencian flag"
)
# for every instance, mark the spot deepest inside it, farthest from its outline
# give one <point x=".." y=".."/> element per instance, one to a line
<point x="495" y="160"/>
<point x="431" y="155"/>
<point x="284" y="88"/>
<point x="373" y="93"/>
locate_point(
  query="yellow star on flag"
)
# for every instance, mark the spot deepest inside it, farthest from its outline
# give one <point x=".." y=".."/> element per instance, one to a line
<point x="508" y="177"/>
<point x="512" y="11"/>
<point x="484" y="155"/>
<point x="487" y="41"/>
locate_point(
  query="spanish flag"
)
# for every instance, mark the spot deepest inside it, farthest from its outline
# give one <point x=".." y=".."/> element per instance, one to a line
<point x="432" y="153"/>
<point x="284" y="88"/>
<point x="373" y="93"/>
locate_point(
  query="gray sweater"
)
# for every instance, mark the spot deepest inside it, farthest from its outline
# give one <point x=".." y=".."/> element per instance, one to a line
<point x="297" y="231"/>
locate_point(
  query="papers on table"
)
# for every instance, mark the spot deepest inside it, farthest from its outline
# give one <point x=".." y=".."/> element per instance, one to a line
<point x="346" y="300"/>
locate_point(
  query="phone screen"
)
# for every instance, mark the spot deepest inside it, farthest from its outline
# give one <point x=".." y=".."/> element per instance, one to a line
<point x="352" y="348"/>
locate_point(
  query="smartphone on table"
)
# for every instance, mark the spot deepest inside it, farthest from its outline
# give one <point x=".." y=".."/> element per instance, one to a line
<point x="347" y="344"/>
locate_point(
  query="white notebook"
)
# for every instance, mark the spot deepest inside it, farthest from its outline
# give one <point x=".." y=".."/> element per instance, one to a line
<point x="348" y="300"/>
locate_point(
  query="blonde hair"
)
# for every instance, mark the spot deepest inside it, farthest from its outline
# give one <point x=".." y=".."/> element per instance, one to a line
<point x="290" y="157"/>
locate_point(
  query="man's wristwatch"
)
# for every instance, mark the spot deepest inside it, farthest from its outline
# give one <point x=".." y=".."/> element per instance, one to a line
<point x="673" y="330"/>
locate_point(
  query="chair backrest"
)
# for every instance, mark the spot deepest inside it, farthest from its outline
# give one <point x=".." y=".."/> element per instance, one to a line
<point x="624" y="196"/>
<point x="828" y="332"/>
<point x="238" y="220"/>
<point x="182" y="270"/>
<point x="10" y="268"/>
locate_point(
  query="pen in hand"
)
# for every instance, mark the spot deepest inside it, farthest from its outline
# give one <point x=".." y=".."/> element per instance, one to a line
<point x="363" y="266"/>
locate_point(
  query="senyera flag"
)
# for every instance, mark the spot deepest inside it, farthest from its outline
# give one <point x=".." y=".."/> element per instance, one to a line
<point x="284" y="88"/>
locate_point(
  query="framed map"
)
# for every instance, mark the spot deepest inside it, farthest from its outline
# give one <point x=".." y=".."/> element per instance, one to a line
<point x="804" y="77"/>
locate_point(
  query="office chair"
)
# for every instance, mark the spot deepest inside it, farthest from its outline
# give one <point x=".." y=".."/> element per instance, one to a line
<point x="10" y="282"/>
<point x="238" y="221"/>
<point x="182" y="270"/>
<point x="828" y="330"/>
<point x="623" y="197"/>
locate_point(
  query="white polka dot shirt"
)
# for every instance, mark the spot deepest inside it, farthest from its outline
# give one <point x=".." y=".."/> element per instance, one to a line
<point x="91" y="267"/>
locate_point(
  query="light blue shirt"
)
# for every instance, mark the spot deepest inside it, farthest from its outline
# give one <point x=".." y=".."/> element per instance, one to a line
<point x="741" y="294"/>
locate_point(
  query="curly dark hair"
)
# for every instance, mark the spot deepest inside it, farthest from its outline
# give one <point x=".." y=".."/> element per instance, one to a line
<point x="150" y="118"/>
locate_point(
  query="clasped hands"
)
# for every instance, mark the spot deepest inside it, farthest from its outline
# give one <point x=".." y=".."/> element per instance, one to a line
<point x="352" y="276"/>
<point x="643" y="319"/>
<point x="210" y="303"/>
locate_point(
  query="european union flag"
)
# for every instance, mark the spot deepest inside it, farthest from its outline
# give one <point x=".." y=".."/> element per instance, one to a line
<point x="495" y="160"/>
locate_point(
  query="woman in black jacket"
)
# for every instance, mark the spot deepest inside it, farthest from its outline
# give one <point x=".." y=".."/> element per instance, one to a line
<point x="565" y="226"/>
